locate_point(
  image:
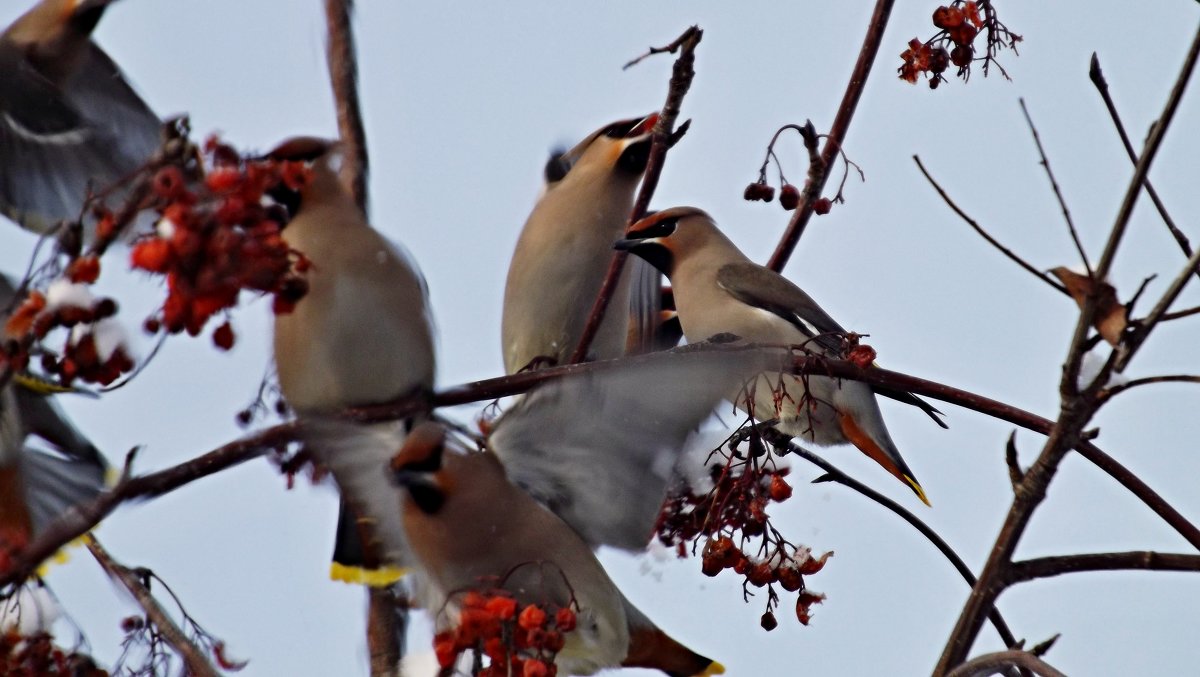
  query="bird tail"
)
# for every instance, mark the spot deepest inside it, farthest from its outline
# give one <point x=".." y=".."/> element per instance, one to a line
<point x="349" y="557"/>
<point x="883" y="451"/>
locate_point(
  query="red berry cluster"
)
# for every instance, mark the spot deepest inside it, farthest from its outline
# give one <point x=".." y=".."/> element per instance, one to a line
<point x="79" y="358"/>
<point x="38" y="656"/>
<point x="218" y="238"/>
<point x="522" y="644"/>
<point x="959" y="23"/>
<point x="732" y="521"/>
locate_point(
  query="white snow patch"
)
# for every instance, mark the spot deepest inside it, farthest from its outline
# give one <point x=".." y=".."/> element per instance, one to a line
<point x="109" y="335"/>
<point x="65" y="293"/>
<point x="32" y="610"/>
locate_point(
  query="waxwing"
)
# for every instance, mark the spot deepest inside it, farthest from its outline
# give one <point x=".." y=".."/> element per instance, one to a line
<point x="582" y="461"/>
<point x="719" y="290"/>
<point x="36" y="486"/>
<point x="363" y="334"/>
<point x="564" y="251"/>
<point x="68" y="118"/>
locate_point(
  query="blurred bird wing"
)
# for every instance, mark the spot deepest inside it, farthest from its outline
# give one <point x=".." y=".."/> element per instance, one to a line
<point x="359" y="457"/>
<point x="41" y="416"/>
<point x="599" y="449"/>
<point x="55" y="142"/>
<point x="53" y="485"/>
<point x="645" y="302"/>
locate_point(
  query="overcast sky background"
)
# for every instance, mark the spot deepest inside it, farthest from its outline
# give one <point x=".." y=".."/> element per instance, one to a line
<point x="462" y="103"/>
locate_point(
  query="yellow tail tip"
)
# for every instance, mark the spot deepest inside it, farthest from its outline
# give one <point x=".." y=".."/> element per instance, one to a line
<point x="713" y="668"/>
<point x="42" y="386"/>
<point x="916" y="487"/>
<point x="375" y="578"/>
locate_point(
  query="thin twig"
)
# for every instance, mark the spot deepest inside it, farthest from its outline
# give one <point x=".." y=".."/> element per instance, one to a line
<point x="668" y="49"/>
<point x="835" y="474"/>
<point x="1075" y="411"/>
<point x="837" y="133"/>
<point x="1121" y="223"/>
<point x="194" y="659"/>
<point x="1144" y="560"/>
<point x="662" y="138"/>
<point x="994" y="663"/>
<point x="1039" y="274"/>
<point x="1133" y="383"/>
<point x="1062" y="203"/>
<point x="1141" y="331"/>
<point x="1097" y="77"/>
<point x="1179" y="314"/>
<point x="343" y="74"/>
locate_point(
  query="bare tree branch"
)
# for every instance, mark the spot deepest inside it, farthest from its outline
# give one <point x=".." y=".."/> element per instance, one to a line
<point x="1039" y="274"/>
<point x="837" y="133"/>
<point x="662" y="138"/>
<point x="1141" y="331"/>
<point x="835" y="474"/>
<point x="194" y="659"/>
<point x="83" y="518"/>
<point x="1097" y="77"/>
<point x="1062" y="203"/>
<point x="1075" y="410"/>
<point x="1142" y="169"/>
<point x="1044" y="567"/>
<point x="343" y="74"/>
<point x="1133" y="383"/>
<point x="994" y="663"/>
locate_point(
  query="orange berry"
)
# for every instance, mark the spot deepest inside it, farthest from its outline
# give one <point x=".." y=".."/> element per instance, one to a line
<point x="535" y="668"/>
<point x="532" y="617"/>
<point x="504" y="608"/>
<point x="84" y="269"/>
<point x="564" y="620"/>
<point x="153" y="255"/>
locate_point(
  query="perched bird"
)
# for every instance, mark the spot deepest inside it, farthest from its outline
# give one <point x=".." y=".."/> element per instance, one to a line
<point x="582" y="461"/>
<point x="363" y="334"/>
<point x="719" y="290"/>
<point x="68" y="118"/>
<point x="564" y="250"/>
<point x="39" y="482"/>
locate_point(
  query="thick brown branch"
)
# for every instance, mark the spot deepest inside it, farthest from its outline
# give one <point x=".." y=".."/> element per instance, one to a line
<point x="1097" y="77"/>
<point x="837" y="133"/>
<point x="1039" y="274"/>
<point x="662" y="138"/>
<point x="193" y="657"/>
<point x="1044" y="567"/>
<point x="995" y="663"/>
<point x="343" y="74"/>
<point x="1062" y="203"/>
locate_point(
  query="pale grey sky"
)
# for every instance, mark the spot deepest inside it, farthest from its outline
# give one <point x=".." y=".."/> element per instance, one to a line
<point x="462" y="102"/>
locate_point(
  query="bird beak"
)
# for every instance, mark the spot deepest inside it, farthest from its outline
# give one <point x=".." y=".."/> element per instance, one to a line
<point x="644" y="127"/>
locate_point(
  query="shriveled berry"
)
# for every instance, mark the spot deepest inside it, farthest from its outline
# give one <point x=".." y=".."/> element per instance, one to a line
<point x="939" y="61"/>
<point x="761" y="574"/>
<point x="789" y="197"/>
<point x="768" y="621"/>
<point x="780" y="489"/>
<point x="822" y="205"/>
<point x="962" y="55"/>
<point x="223" y="336"/>
<point x="790" y="578"/>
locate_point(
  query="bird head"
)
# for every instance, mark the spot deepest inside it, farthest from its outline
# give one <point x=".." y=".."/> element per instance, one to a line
<point x="417" y="467"/>
<point x="322" y="156"/>
<point x="621" y="149"/>
<point x="664" y="238"/>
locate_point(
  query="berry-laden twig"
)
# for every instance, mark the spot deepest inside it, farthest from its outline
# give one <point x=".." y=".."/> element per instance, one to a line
<point x="515" y="638"/>
<point x="960" y="23"/>
<point x="730" y="521"/>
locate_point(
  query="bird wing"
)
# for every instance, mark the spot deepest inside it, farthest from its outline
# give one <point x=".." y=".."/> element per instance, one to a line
<point x="763" y="288"/>
<point x="767" y="290"/>
<point x="599" y="448"/>
<point x="53" y="484"/>
<point x="645" y="302"/>
<point x="54" y="141"/>
<point x="359" y="456"/>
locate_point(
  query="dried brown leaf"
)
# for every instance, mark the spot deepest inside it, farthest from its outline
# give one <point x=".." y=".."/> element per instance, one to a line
<point x="1111" y="318"/>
